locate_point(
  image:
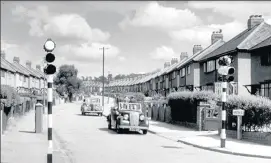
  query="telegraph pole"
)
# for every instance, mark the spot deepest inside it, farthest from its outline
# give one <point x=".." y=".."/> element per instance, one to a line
<point x="103" y="48"/>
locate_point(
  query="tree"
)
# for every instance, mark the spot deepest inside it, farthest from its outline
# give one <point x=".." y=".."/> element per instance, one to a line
<point x="67" y="82"/>
<point x="100" y="79"/>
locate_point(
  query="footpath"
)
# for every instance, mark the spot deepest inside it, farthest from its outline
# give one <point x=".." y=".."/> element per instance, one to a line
<point x="20" y="143"/>
<point x="209" y="140"/>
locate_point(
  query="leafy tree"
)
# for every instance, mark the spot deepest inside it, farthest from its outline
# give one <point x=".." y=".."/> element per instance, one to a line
<point x="67" y="82"/>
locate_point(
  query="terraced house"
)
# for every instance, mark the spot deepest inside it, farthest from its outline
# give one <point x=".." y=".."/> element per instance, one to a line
<point x="251" y="52"/>
<point x="24" y="79"/>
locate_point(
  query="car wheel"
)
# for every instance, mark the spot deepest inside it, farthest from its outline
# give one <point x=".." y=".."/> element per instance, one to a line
<point x="145" y="132"/>
<point x="118" y="130"/>
<point x="83" y="113"/>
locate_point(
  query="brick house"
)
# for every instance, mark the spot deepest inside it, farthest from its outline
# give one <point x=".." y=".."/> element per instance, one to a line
<point x="238" y="47"/>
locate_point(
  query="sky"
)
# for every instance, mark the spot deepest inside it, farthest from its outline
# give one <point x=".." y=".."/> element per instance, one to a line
<point x="139" y="36"/>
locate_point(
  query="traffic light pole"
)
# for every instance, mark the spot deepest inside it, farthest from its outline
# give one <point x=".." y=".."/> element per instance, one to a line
<point x="223" y="113"/>
<point x="50" y="119"/>
<point x="103" y="78"/>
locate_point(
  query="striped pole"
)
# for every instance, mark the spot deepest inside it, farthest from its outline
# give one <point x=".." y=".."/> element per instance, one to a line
<point x="223" y="115"/>
<point x="50" y="119"/>
<point x="1" y="120"/>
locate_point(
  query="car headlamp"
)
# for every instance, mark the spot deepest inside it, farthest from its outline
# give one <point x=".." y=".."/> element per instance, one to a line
<point x="126" y="116"/>
<point x="141" y="117"/>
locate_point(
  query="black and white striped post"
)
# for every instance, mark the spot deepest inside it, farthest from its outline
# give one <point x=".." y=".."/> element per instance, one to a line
<point x="50" y="69"/>
<point x="50" y="119"/>
<point x="223" y="114"/>
<point x="226" y="72"/>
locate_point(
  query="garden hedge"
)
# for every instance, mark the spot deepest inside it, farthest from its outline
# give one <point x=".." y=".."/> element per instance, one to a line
<point x="9" y="96"/>
<point x="257" y="109"/>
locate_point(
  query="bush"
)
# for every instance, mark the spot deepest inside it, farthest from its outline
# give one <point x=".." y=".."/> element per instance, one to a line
<point x="257" y="109"/>
<point x="192" y="96"/>
<point x="9" y="96"/>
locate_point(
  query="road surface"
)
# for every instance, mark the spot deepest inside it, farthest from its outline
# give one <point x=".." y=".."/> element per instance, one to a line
<point x="86" y="139"/>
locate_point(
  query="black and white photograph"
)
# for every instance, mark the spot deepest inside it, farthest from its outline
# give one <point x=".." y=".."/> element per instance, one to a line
<point x="135" y="81"/>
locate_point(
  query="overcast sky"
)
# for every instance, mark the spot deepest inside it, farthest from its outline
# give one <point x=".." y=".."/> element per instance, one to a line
<point x="141" y="36"/>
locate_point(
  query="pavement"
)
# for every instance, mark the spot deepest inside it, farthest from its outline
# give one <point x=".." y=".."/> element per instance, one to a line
<point x="209" y="140"/>
<point x="85" y="139"/>
<point x="20" y="143"/>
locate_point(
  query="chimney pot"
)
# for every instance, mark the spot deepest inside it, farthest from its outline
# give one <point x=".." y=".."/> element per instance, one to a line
<point x="16" y="60"/>
<point x="28" y="64"/>
<point x="38" y="67"/>
<point x="217" y="35"/>
<point x="196" y="49"/>
<point x="254" y="20"/>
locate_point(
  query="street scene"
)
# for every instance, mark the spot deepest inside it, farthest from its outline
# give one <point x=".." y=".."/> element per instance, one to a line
<point x="135" y="82"/>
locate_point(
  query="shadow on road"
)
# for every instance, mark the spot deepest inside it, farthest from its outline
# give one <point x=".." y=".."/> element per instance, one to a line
<point x="30" y="132"/>
<point x="87" y="115"/>
<point x="114" y="132"/>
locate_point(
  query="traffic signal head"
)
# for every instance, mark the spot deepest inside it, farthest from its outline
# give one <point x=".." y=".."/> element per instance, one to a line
<point x="50" y="69"/>
<point x="50" y="57"/>
<point x="226" y="70"/>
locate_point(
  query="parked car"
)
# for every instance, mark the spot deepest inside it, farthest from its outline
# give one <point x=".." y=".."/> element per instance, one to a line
<point x="92" y="106"/>
<point x="128" y="117"/>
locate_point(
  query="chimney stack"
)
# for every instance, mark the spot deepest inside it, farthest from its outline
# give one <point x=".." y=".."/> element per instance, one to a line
<point x="16" y="60"/>
<point x="38" y="67"/>
<point x="196" y="49"/>
<point x="183" y="56"/>
<point x="217" y="35"/>
<point x="254" y="20"/>
<point x="166" y="64"/>
<point x="174" y="60"/>
<point x="3" y="54"/>
<point x="28" y="64"/>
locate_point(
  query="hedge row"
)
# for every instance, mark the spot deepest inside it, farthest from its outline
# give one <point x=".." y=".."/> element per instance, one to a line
<point x="9" y="96"/>
<point x="257" y="109"/>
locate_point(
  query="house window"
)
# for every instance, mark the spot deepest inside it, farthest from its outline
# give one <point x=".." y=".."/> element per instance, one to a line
<point x="3" y="73"/>
<point x="266" y="89"/>
<point x="188" y="69"/>
<point x="24" y="79"/>
<point x="183" y="72"/>
<point x="204" y="67"/>
<point x="174" y="75"/>
<point x="266" y="59"/>
<point x="210" y="66"/>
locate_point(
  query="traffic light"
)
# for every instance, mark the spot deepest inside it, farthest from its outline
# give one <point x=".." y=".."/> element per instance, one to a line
<point x="226" y="71"/>
<point x="49" y="46"/>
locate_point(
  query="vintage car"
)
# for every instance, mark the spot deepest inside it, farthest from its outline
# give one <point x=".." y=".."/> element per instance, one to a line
<point x="92" y="106"/>
<point x="128" y="117"/>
